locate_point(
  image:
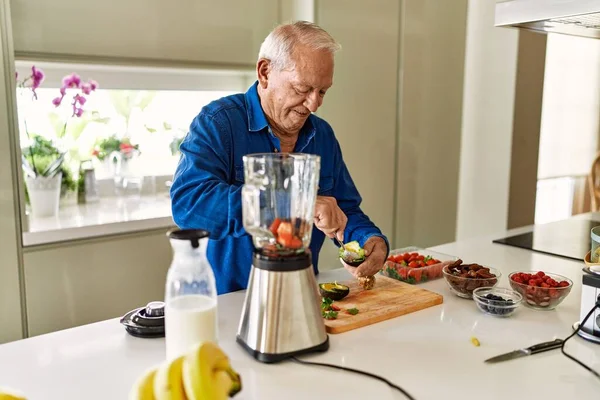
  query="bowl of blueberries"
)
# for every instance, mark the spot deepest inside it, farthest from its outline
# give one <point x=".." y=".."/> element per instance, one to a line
<point x="497" y="301"/>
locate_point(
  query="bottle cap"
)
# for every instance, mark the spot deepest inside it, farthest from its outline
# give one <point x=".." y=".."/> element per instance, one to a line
<point x="193" y="235"/>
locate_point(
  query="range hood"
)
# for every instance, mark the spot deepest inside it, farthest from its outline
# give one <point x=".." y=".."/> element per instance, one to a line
<point x="569" y="17"/>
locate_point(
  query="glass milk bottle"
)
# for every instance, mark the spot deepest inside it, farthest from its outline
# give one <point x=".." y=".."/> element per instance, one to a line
<point x="191" y="294"/>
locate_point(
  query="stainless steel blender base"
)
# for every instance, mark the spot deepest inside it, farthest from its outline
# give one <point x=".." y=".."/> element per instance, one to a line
<point x="281" y="316"/>
<point x="587" y="336"/>
<point x="275" y="358"/>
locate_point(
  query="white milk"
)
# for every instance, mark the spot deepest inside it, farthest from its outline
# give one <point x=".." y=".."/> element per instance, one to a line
<point x="189" y="320"/>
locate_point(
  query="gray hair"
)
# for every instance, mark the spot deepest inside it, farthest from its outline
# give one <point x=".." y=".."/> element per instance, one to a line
<point x="279" y="45"/>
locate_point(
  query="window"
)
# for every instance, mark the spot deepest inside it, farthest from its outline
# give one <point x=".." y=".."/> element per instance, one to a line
<point x="128" y="131"/>
<point x="569" y="128"/>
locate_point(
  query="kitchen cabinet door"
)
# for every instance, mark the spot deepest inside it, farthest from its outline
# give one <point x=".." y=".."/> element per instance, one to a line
<point x="361" y="106"/>
<point x="79" y="283"/>
<point x="180" y="31"/>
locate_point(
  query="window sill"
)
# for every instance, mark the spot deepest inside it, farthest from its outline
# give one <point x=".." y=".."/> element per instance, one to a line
<point x="108" y="216"/>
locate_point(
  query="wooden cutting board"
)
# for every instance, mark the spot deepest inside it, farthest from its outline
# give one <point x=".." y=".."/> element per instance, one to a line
<point x="388" y="299"/>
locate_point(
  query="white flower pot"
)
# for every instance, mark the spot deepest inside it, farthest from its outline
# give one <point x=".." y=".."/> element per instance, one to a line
<point x="44" y="195"/>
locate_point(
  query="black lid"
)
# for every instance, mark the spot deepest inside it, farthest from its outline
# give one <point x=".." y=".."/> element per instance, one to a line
<point x="146" y="322"/>
<point x="193" y="235"/>
<point x="282" y="263"/>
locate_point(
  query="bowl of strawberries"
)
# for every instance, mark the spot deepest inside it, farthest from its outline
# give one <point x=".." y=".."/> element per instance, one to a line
<point x="541" y="290"/>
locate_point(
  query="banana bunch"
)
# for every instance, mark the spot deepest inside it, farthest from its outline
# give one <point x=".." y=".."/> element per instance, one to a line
<point x="202" y="374"/>
<point x="10" y="394"/>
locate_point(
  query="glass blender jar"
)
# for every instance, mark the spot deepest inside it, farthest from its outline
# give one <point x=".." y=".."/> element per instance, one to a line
<point x="281" y="315"/>
<point x="278" y="201"/>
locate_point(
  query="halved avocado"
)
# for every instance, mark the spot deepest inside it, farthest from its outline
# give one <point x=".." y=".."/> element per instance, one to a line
<point x="352" y="254"/>
<point x="333" y="290"/>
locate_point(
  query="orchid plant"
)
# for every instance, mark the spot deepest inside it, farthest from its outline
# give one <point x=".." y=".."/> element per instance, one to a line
<point x="78" y="100"/>
<point x="42" y="157"/>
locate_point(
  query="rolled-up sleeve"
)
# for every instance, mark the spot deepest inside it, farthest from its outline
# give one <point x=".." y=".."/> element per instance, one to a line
<point x="359" y="226"/>
<point x="202" y="196"/>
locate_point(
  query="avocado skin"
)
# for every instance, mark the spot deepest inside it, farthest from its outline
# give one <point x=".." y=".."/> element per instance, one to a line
<point x="355" y="263"/>
<point x="333" y="294"/>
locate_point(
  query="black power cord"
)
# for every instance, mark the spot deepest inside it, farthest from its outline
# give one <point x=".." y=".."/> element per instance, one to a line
<point x="408" y="396"/>
<point x="562" y="348"/>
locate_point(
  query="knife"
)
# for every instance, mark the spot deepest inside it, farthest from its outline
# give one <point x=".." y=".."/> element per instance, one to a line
<point x="535" y="349"/>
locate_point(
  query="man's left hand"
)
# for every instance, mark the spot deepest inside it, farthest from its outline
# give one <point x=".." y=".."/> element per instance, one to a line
<point x="375" y="252"/>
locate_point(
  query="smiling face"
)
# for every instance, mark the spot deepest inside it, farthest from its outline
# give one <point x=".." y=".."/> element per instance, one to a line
<point x="290" y="95"/>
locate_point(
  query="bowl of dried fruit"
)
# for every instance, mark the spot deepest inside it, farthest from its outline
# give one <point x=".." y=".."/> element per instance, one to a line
<point x="540" y="290"/>
<point x="463" y="279"/>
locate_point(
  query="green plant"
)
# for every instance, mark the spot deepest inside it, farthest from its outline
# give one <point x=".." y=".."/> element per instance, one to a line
<point x="48" y="161"/>
<point x="105" y="147"/>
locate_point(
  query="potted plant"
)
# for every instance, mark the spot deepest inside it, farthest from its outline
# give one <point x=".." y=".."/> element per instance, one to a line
<point x="46" y="173"/>
<point x="43" y="167"/>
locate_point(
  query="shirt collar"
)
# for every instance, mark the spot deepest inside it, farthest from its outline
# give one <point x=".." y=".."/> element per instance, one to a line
<point x="256" y="116"/>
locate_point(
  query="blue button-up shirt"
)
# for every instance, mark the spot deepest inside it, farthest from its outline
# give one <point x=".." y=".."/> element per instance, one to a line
<point x="206" y="190"/>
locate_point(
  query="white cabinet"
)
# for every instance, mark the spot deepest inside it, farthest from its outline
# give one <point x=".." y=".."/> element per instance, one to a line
<point x="80" y="283"/>
<point x="222" y="32"/>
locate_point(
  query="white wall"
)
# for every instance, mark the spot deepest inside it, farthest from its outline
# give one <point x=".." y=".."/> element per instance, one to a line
<point x="490" y="72"/>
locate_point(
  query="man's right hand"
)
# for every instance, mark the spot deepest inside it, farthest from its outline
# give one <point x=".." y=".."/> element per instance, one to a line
<point x="329" y="218"/>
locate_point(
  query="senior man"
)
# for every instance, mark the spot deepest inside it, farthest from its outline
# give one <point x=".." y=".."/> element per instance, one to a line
<point x="294" y="70"/>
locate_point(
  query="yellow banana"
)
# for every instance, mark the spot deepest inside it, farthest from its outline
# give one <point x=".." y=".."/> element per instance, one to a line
<point x="143" y="388"/>
<point x="208" y="375"/>
<point x="10" y="394"/>
<point x="168" y="384"/>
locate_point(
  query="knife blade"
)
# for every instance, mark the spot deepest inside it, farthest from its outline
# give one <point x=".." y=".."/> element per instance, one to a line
<point x="535" y="349"/>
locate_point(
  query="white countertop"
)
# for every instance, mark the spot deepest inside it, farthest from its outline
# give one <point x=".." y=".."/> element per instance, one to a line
<point x="107" y="216"/>
<point x="428" y="353"/>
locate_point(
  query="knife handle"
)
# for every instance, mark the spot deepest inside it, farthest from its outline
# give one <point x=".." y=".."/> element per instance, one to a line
<point x="538" y="348"/>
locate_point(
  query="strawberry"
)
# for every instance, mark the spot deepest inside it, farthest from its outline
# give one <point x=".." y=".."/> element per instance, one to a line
<point x="403" y="272"/>
<point x="417" y="273"/>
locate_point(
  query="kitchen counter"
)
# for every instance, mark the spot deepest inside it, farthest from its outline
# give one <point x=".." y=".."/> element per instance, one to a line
<point x="429" y="353"/>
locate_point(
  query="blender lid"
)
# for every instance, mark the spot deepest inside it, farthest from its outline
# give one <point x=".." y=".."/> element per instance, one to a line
<point x="146" y="322"/>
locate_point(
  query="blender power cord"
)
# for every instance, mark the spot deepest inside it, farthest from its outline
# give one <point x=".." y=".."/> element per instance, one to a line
<point x="562" y="348"/>
<point x="408" y="396"/>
